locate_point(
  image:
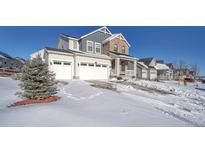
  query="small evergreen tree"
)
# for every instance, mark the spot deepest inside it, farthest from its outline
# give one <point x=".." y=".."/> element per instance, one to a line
<point x="36" y="80"/>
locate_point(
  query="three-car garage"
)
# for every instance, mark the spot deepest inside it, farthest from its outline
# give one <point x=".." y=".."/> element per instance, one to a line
<point x="81" y="66"/>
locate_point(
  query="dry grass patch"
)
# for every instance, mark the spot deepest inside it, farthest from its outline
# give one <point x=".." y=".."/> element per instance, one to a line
<point x="103" y="85"/>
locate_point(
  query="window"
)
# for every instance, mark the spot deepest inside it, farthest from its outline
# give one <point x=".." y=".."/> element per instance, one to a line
<point x="89" y="46"/>
<point x="123" y="49"/>
<point x="83" y="64"/>
<point x="57" y="62"/>
<point x="97" y="48"/>
<point x="115" y="47"/>
<point x="66" y="63"/>
<point x="74" y="44"/>
<point x="91" y="65"/>
<point x="104" y="65"/>
<point x="97" y="65"/>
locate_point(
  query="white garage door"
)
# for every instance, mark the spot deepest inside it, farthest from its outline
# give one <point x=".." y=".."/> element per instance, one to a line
<point x="62" y="69"/>
<point x="89" y="71"/>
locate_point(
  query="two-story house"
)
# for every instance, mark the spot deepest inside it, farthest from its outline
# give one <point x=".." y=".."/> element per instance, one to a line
<point x="96" y="55"/>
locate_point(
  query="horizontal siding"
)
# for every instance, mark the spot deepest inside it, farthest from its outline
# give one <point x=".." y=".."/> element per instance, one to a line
<point x="98" y="37"/>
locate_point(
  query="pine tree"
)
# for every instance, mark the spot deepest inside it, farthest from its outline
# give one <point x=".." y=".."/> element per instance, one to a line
<point x="36" y="80"/>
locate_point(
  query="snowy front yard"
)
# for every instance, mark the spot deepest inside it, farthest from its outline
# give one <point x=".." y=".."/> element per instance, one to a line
<point x="127" y="105"/>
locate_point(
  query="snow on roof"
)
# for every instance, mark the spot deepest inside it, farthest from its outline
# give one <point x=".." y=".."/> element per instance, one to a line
<point x="114" y="36"/>
<point x="79" y="52"/>
<point x="69" y="36"/>
<point x="3" y="56"/>
<point x="141" y="63"/>
<point x="97" y="55"/>
<point x="161" y="66"/>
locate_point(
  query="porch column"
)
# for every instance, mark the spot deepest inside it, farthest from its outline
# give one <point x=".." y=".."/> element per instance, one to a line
<point x="135" y="68"/>
<point x="117" y="66"/>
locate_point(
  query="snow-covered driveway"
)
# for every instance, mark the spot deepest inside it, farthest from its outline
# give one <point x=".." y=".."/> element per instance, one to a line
<point x="84" y="105"/>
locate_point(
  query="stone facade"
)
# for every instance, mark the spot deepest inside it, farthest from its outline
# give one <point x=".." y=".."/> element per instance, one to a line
<point x="109" y="46"/>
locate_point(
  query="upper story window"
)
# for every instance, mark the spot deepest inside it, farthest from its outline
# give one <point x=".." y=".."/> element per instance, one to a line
<point x="97" y="47"/>
<point x="89" y="46"/>
<point x="74" y="44"/>
<point x="123" y="49"/>
<point x="115" y="47"/>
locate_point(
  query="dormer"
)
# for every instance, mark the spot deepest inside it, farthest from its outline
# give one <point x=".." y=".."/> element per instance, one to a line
<point x="67" y="42"/>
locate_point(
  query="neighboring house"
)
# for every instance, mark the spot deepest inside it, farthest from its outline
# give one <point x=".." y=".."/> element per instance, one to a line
<point x="184" y="73"/>
<point x="152" y="73"/>
<point x="149" y="61"/>
<point x="171" y="70"/>
<point x="151" y="70"/>
<point x="157" y="69"/>
<point x="162" y="71"/>
<point x="96" y="55"/>
<point x="142" y="71"/>
<point x="9" y="63"/>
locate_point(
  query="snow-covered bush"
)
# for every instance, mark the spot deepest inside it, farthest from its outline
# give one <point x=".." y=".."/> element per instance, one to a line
<point x="36" y="80"/>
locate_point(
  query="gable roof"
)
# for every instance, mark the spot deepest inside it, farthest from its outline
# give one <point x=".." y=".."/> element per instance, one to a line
<point x="170" y="65"/>
<point x="146" y="61"/>
<point x="100" y="29"/>
<point x="142" y="64"/>
<point x="114" y="36"/>
<point x="160" y="66"/>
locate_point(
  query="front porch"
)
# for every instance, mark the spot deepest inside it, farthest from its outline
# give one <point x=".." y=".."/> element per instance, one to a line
<point x="125" y="67"/>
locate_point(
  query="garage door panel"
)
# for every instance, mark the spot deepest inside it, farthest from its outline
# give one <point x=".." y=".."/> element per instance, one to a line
<point x="89" y="72"/>
<point x="62" y="69"/>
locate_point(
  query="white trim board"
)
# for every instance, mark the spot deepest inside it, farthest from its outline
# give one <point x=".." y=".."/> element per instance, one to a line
<point x="100" y="29"/>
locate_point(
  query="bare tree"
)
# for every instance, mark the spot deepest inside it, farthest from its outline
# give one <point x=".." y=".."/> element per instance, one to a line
<point x="175" y="64"/>
<point x="182" y="64"/>
<point x="195" y="68"/>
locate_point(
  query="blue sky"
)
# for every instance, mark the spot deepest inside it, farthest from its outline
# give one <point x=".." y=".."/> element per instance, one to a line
<point x="168" y="43"/>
